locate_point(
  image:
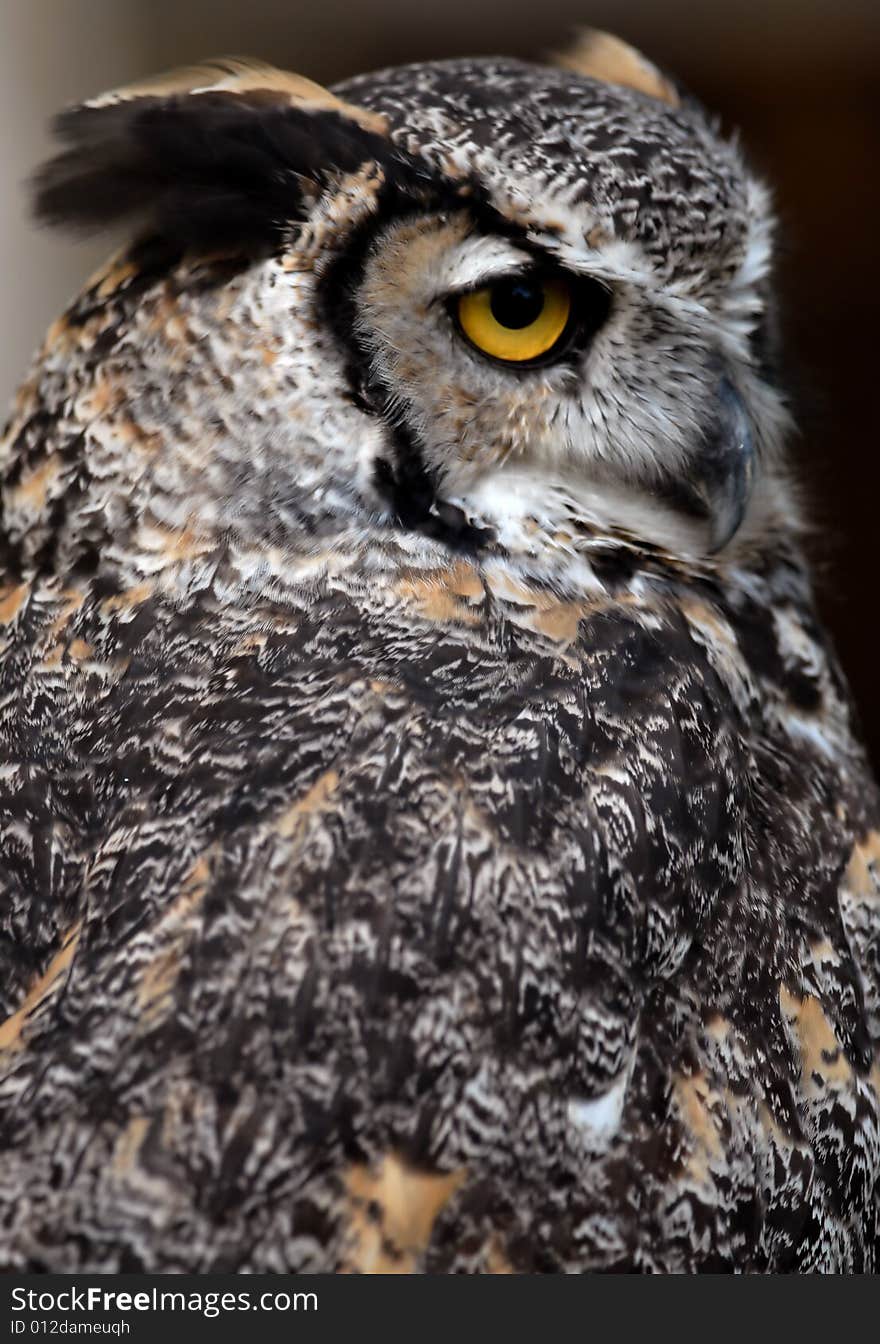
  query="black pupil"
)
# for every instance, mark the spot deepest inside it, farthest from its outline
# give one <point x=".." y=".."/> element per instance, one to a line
<point x="517" y="303"/>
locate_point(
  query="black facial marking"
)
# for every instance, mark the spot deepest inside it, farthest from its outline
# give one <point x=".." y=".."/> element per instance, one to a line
<point x="402" y="478"/>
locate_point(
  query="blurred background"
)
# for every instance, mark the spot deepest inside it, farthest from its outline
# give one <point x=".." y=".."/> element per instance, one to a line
<point x="800" y="78"/>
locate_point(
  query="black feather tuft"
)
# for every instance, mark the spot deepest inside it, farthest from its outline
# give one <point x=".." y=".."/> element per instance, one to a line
<point x="201" y="171"/>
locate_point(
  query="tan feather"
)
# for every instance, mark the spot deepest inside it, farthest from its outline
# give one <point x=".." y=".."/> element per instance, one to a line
<point x="599" y="55"/>
<point x="241" y="75"/>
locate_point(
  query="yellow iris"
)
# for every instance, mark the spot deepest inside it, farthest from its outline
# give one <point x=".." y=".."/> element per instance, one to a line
<point x="518" y="318"/>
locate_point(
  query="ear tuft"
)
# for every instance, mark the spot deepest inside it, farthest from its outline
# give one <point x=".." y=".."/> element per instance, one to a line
<point x="212" y="156"/>
<point x="601" y="56"/>
<point x="248" y="80"/>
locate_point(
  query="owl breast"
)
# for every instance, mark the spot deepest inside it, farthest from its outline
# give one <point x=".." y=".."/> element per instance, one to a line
<point x="440" y="897"/>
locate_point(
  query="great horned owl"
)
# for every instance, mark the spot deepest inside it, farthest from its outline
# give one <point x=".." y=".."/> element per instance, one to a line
<point x="433" y="831"/>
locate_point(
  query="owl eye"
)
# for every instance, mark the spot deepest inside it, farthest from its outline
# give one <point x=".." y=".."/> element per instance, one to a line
<point x="531" y="318"/>
<point x="518" y="319"/>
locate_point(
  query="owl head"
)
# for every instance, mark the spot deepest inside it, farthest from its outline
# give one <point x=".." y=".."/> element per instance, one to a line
<point x="478" y="302"/>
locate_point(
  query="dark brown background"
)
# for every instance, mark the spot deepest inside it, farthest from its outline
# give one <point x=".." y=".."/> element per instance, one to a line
<point x="799" y="77"/>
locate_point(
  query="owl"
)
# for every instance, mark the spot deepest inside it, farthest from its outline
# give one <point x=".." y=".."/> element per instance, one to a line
<point x="434" y="833"/>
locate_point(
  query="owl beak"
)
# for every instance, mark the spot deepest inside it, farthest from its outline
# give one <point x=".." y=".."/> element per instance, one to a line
<point x="727" y="467"/>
